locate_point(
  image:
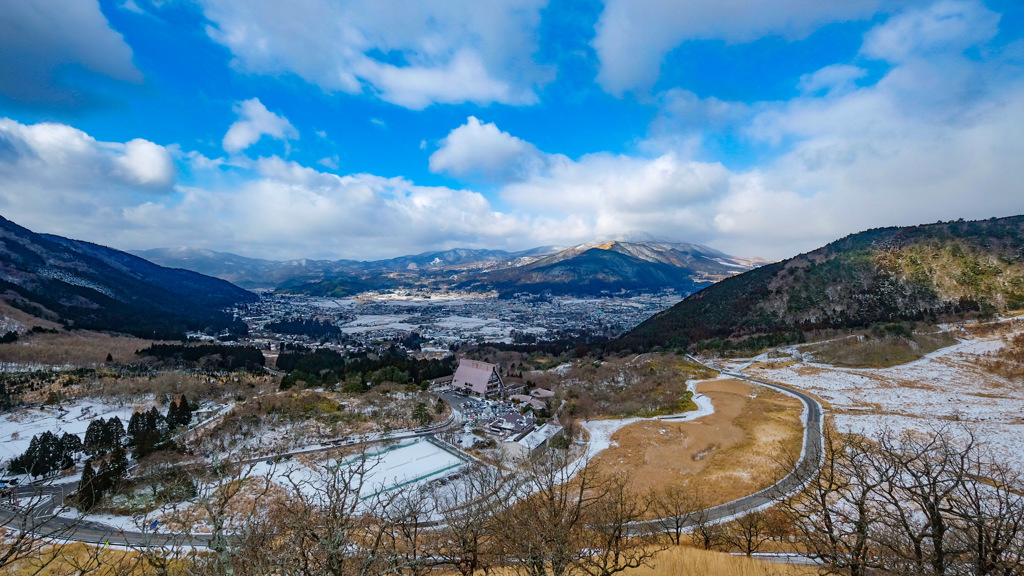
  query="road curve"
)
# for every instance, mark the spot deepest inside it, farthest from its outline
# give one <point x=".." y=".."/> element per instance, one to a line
<point x="811" y="459"/>
<point x="809" y="463"/>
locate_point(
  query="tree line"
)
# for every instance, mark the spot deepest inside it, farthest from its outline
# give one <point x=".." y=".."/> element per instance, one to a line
<point x="325" y="367"/>
<point x="209" y="357"/>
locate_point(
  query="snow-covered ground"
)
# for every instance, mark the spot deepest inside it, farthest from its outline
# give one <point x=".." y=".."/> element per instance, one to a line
<point x="18" y="426"/>
<point x="408" y="462"/>
<point x="945" y="388"/>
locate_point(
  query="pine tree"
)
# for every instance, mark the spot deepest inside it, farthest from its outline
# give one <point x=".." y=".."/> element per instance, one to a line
<point x="115" y="433"/>
<point x="118" y="467"/>
<point x="95" y="444"/>
<point x="88" y="494"/>
<point x="173" y="415"/>
<point x="72" y="443"/>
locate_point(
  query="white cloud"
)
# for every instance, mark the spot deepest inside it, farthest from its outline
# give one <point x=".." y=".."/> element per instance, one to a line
<point x="633" y="36"/>
<point x="479" y="149"/>
<point x="937" y="137"/>
<point x="57" y="179"/>
<point x="53" y="176"/>
<point x="146" y="164"/>
<point x="43" y="39"/>
<point x="254" y="122"/>
<point x="831" y="80"/>
<point x="413" y="54"/>
<point x="943" y="27"/>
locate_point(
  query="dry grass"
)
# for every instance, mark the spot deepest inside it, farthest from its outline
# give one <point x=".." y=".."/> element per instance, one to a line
<point x="686" y="560"/>
<point x="1007" y="362"/>
<point x="77" y="348"/>
<point x="867" y="352"/>
<point x="23" y="317"/>
<point x="740" y="449"/>
<point x="78" y="558"/>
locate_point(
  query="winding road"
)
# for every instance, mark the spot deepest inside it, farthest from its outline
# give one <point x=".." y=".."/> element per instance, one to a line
<point x="810" y="461"/>
<point x="42" y="521"/>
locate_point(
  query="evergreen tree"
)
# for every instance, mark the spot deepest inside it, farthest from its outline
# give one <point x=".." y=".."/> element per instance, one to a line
<point x="72" y="444"/>
<point x="173" y="415"/>
<point x="88" y="494"/>
<point x="45" y="454"/>
<point x="119" y="464"/>
<point x="422" y="415"/>
<point x="115" y="433"/>
<point x="94" y="444"/>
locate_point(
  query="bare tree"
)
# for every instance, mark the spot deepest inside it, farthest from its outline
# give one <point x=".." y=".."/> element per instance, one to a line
<point x="749" y="532"/>
<point x="408" y="544"/>
<point x="989" y="512"/>
<point x="925" y="472"/>
<point x="470" y="509"/>
<point x="706" y="533"/>
<point x="676" y="507"/>
<point x="836" y="515"/>
<point x="328" y="521"/>
<point x="544" y="533"/>
<point x="611" y="546"/>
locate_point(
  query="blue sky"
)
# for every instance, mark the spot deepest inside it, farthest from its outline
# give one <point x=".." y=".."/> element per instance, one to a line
<point x="368" y="129"/>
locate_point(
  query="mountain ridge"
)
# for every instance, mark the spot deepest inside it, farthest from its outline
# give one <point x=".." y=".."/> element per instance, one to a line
<point x="645" y="263"/>
<point x="928" y="273"/>
<point x="85" y="285"/>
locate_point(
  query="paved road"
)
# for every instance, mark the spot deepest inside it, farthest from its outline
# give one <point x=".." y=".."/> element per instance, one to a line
<point x="46" y="500"/>
<point x="807" y="466"/>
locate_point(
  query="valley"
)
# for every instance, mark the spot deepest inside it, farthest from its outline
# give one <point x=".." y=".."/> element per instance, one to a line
<point x="414" y="404"/>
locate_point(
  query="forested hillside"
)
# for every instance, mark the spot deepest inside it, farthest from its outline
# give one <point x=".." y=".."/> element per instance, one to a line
<point x="928" y="273"/>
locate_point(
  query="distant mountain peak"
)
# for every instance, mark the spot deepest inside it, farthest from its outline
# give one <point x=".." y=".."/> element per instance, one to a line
<point x="631" y="237"/>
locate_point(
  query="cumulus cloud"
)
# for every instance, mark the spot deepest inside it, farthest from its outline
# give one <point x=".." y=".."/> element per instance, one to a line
<point x="254" y="122"/>
<point x="43" y="40"/>
<point x="481" y="149"/>
<point x="633" y="36"/>
<point x="937" y="137"/>
<point x="57" y="177"/>
<point x="412" y="54"/>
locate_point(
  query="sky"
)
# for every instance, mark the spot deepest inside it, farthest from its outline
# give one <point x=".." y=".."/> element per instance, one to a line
<point x="375" y="128"/>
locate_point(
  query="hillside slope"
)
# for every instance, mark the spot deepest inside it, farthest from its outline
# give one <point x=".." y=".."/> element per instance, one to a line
<point x="84" y="285"/>
<point x="925" y="273"/>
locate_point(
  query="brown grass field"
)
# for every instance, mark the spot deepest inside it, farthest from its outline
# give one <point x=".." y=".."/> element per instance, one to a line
<point x="740" y="449"/>
<point x="886" y="352"/>
<point x="78" y="348"/>
<point x="675" y="561"/>
<point x="683" y="560"/>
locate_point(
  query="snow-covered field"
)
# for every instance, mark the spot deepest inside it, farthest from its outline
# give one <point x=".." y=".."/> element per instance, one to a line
<point x="945" y="388"/>
<point x="388" y="468"/>
<point x="366" y="323"/>
<point x="18" y="426"/>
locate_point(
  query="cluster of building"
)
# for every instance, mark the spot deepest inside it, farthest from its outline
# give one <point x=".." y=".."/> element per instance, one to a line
<point x="514" y="422"/>
<point x="444" y="322"/>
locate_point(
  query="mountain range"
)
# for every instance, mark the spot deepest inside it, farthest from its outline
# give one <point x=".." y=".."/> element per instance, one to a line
<point x="84" y="285"/>
<point x="633" y="263"/>
<point x="929" y="273"/>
